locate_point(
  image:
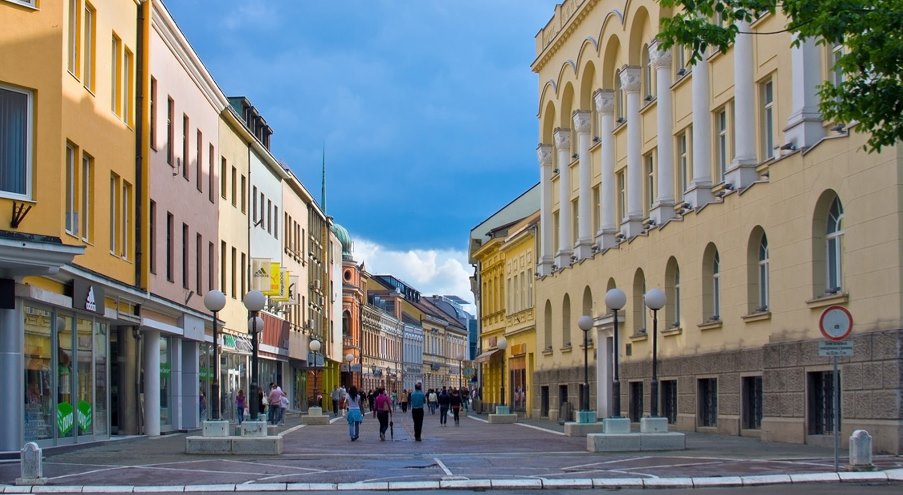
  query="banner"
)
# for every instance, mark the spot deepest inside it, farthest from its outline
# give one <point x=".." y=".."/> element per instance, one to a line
<point x="294" y="289"/>
<point x="275" y="274"/>
<point x="282" y="296"/>
<point x="260" y="274"/>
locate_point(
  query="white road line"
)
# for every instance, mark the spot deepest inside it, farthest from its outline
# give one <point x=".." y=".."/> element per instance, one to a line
<point x="89" y="472"/>
<point x="444" y="468"/>
<point x="540" y="428"/>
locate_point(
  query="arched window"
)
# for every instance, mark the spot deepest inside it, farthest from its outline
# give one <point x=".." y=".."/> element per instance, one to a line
<point x="672" y="291"/>
<point x="346" y="324"/>
<point x="648" y="75"/>
<point x="566" y="321"/>
<point x="547" y="324"/>
<point x="711" y="284"/>
<point x="619" y="98"/>
<point x="834" y="245"/>
<point x="639" y="303"/>
<point x="716" y="287"/>
<point x="763" y="274"/>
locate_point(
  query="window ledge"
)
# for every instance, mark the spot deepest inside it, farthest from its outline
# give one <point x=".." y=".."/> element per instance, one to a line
<point x="547" y="351"/>
<point x="757" y="316"/>
<point x="828" y="300"/>
<point x="672" y="331"/>
<point x="710" y="325"/>
<point x="639" y="337"/>
<point x="567" y="348"/>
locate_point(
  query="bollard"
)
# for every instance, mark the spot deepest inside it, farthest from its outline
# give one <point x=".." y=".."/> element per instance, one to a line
<point x="32" y="469"/>
<point x="861" y="451"/>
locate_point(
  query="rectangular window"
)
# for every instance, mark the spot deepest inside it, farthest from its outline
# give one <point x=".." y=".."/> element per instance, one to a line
<point x="88" y="47"/>
<point x="87" y="195"/>
<point x="222" y="267"/>
<point x="836" y="75"/>
<point x="185" y="255"/>
<point x="269" y="216"/>
<point x="650" y="180"/>
<point x="722" y="153"/>
<point x="234" y="187"/>
<point x="766" y="95"/>
<point x="74" y="30"/>
<point x="153" y="114"/>
<point x="234" y="271"/>
<point x="153" y="236"/>
<point x="170" y="131"/>
<point x="244" y="274"/>
<point x="222" y="177"/>
<point x="597" y="202"/>
<point x="16" y="134"/>
<point x="752" y="403"/>
<point x="186" y="125"/>
<point x="126" y="221"/>
<point x="199" y="263"/>
<point x="211" y="256"/>
<point x="669" y="400"/>
<point x="71" y="173"/>
<point x="116" y="76"/>
<point x="820" y="395"/>
<point x="114" y="214"/>
<point x="636" y="401"/>
<point x="708" y="402"/>
<point x="127" y="91"/>
<point x="683" y="163"/>
<point x="254" y="205"/>
<point x="622" y="195"/>
<point x="276" y="221"/>
<point x="244" y="195"/>
<point x="262" y="209"/>
<point x="199" y="165"/>
<point x="170" y="234"/>
<point x="211" y="181"/>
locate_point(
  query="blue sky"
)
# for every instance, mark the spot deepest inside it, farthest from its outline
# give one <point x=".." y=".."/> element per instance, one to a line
<point x="426" y="108"/>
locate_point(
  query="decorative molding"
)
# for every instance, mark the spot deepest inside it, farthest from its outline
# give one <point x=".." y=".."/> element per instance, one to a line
<point x="630" y="78"/>
<point x="659" y="58"/>
<point x="582" y="120"/>
<point x="710" y="325"/>
<point x="828" y="300"/>
<point x="562" y="138"/>
<point x="544" y="155"/>
<point x="759" y="316"/>
<point x="604" y="100"/>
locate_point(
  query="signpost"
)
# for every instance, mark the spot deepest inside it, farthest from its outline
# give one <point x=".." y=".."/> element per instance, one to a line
<point x="835" y="324"/>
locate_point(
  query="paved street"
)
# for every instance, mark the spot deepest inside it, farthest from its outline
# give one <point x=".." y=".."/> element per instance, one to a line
<point x="474" y="455"/>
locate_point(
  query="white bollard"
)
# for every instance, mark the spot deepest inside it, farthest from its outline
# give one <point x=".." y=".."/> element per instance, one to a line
<point x="861" y="451"/>
<point x="31" y="464"/>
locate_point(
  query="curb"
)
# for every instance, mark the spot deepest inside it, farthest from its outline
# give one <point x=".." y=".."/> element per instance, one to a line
<point x="894" y="475"/>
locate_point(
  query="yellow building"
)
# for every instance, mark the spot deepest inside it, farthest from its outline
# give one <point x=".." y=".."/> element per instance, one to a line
<point x="720" y="184"/>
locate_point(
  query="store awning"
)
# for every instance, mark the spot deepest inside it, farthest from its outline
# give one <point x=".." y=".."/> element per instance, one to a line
<point x="485" y="356"/>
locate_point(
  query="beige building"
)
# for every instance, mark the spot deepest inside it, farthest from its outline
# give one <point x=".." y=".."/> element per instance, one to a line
<point x="719" y="183"/>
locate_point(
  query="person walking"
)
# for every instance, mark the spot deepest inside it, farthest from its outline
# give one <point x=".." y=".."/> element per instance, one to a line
<point x="336" y="396"/>
<point x="404" y="400"/>
<point x="433" y="400"/>
<point x="383" y="407"/>
<point x="455" y="402"/>
<point x="240" y="406"/>
<point x="261" y="404"/>
<point x="444" y="400"/>
<point x="355" y="416"/>
<point x="417" y="402"/>
<point x="273" y="401"/>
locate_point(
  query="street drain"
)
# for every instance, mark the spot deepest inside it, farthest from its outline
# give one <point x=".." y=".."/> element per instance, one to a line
<point x="421" y="467"/>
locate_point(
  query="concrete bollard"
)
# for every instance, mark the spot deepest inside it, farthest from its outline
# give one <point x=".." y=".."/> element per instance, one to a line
<point x="31" y="464"/>
<point x="861" y="451"/>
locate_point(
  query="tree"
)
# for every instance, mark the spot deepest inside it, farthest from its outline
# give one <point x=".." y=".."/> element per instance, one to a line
<point x="870" y="61"/>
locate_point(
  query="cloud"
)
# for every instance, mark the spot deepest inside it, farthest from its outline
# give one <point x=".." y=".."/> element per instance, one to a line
<point x="431" y="271"/>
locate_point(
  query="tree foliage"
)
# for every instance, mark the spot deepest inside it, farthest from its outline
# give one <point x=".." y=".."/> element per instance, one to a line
<point x="870" y="31"/>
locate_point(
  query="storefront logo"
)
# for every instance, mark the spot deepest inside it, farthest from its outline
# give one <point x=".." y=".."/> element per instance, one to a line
<point x="90" y="305"/>
<point x="87" y="296"/>
<point x="65" y="418"/>
<point x="85" y="416"/>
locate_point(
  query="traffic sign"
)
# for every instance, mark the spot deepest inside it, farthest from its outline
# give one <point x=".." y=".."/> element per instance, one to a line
<point x="833" y="348"/>
<point x="836" y="323"/>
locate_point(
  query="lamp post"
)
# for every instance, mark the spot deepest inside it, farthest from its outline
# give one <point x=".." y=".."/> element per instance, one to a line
<point x="314" y="347"/>
<point x="350" y="357"/>
<point x="615" y="299"/>
<point x="215" y="301"/>
<point x="585" y="323"/>
<point x="655" y="300"/>
<point x="460" y="366"/>
<point x="502" y="344"/>
<point x="254" y="301"/>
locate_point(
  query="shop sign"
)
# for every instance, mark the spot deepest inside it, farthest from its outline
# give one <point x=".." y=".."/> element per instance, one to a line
<point x="87" y="296"/>
<point x="85" y="416"/>
<point x="64" y="418"/>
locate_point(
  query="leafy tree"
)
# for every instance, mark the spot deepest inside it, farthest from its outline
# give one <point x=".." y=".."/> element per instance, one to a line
<point x="870" y="31"/>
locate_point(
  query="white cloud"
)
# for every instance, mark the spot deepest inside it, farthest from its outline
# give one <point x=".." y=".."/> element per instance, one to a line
<point x="430" y="271"/>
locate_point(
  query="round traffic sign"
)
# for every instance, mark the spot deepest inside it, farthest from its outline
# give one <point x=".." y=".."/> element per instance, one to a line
<point x="836" y="323"/>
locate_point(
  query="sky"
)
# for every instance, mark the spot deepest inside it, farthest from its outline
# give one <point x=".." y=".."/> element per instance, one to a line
<point x="426" y="110"/>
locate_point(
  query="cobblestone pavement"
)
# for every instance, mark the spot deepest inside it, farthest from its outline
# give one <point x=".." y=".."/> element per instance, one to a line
<point x="529" y="453"/>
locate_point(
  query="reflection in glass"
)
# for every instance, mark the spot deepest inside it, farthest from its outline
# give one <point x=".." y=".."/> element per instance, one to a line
<point x="65" y="411"/>
<point x="84" y="408"/>
<point x="38" y="364"/>
<point x="100" y="379"/>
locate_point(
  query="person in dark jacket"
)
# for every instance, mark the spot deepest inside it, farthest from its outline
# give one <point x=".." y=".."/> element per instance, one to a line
<point x="444" y="401"/>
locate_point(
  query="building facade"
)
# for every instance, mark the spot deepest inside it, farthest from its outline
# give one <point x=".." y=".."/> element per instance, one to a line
<point x="719" y="183"/>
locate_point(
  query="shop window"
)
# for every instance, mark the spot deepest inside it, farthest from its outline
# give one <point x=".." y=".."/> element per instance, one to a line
<point x="708" y="402"/>
<point x="636" y="401"/>
<point x="820" y="395"/>
<point x="669" y="400"/>
<point x="752" y="403"/>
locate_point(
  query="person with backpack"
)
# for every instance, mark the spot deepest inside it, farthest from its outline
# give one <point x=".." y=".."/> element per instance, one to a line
<point x="454" y="401"/>
<point x="433" y="401"/>
<point x="444" y="400"/>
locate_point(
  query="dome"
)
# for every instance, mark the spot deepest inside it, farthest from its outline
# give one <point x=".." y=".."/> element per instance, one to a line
<point x="344" y="238"/>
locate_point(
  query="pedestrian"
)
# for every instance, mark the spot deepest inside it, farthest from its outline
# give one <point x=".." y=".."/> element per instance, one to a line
<point x="371" y="398"/>
<point x="240" y="406"/>
<point x="336" y="396"/>
<point x="261" y="404"/>
<point x="273" y="401"/>
<point x="433" y="401"/>
<point x="383" y="408"/>
<point x="404" y="400"/>
<point x="465" y="398"/>
<point x="444" y="400"/>
<point x="417" y="402"/>
<point x="354" y="416"/>
<point x="455" y="403"/>
<point x="202" y="405"/>
<point x="283" y="406"/>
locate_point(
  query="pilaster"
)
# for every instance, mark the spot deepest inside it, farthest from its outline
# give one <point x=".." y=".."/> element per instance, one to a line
<point x="546" y="257"/>
<point x="663" y="208"/>
<point x="582" y="124"/>
<point x="565" y="246"/>
<point x="632" y="225"/>
<point x="604" y="99"/>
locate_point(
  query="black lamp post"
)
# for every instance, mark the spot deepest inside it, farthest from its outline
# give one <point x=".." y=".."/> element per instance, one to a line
<point x="314" y="347"/>
<point x="502" y="344"/>
<point x="254" y="301"/>
<point x="215" y="301"/>
<point x="615" y="299"/>
<point x="350" y="357"/>
<point x="585" y="323"/>
<point x="655" y="300"/>
<point x="460" y="366"/>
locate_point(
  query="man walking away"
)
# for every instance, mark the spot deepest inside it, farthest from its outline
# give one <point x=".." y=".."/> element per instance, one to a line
<point x="404" y="400"/>
<point x="336" y="396"/>
<point x="455" y="403"/>
<point x="273" y="401"/>
<point x="444" y="401"/>
<point x="433" y="399"/>
<point x="417" y="402"/>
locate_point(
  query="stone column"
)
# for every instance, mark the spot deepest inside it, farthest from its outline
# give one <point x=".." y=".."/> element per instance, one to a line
<point x="604" y="100"/>
<point x="583" y="124"/>
<point x="547" y="258"/>
<point x="663" y="208"/>
<point x="565" y="247"/>
<point x="700" y="191"/>
<point x="151" y="382"/>
<point x="804" y="126"/>
<point x="12" y="364"/>
<point x="742" y="170"/>
<point x="128" y="380"/>
<point x="189" y="378"/>
<point x="633" y="224"/>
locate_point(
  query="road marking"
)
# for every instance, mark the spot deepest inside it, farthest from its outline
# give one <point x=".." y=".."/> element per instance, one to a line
<point x="546" y="430"/>
<point x="444" y="468"/>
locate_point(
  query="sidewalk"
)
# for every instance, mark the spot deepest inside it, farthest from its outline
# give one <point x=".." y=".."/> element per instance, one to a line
<point x="474" y="455"/>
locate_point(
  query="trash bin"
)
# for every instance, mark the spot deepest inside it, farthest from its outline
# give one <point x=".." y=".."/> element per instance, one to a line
<point x="564" y="412"/>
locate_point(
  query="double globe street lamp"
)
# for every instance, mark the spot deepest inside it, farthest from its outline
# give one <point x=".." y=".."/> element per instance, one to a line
<point x="215" y="301"/>
<point x="350" y="357"/>
<point x="655" y="300"/>
<point x="615" y="299"/>
<point x="585" y="323"/>
<point x="254" y="301"/>
<point x="502" y="344"/>
<point x="314" y="347"/>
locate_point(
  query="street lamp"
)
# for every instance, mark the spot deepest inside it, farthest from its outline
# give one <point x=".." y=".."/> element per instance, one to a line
<point x="615" y="299"/>
<point x="350" y="357"/>
<point x="460" y="365"/>
<point x="214" y="301"/>
<point x="655" y="300"/>
<point x="314" y="347"/>
<point x="585" y="323"/>
<point x="254" y="301"/>
<point x="502" y="344"/>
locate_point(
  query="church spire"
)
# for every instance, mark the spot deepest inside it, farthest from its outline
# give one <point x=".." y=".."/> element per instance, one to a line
<point x="323" y="188"/>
